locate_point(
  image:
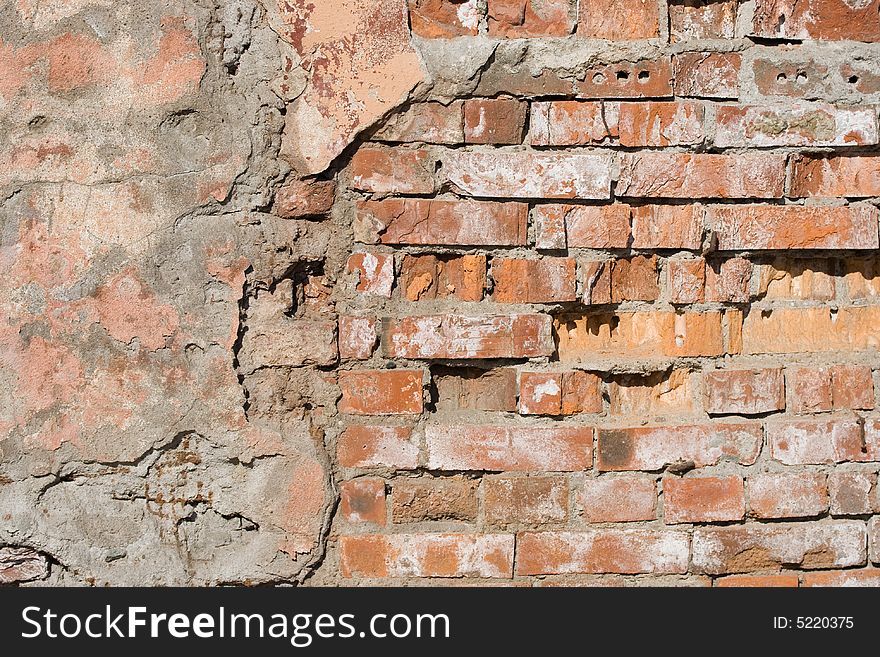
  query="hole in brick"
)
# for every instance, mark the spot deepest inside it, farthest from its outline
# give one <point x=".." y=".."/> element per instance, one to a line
<point x="644" y="76"/>
<point x="801" y="77"/>
<point x="782" y="77"/>
<point x="623" y="75"/>
<point x="853" y="79"/>
<point x="598" y="78"/>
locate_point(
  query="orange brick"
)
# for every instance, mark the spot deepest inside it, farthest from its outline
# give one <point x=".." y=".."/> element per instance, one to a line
<point x="703" y="499"/>
<point x="729" y="281"/>
<point x="534" y="281"/>
<point x="592" y="227"/>
<point x="532" y="500"/>
<point x="844" y="578"/>
<point x="524" y="18"/>
<point x="853" y="177"/>
<point x="392" y="171"/>
<point x="381" y="392"/>
<point x="373" y="447"/>
<point x="852" y="387"/>
<point x="597" y="281"/>
<point x="787" y="495"/>
<point x="744" y="392"/>
<point x="644" y="78"/>
<point x="375" y="272"/>
<point x="707" y="74"/>
<point x="686" y="282"/>
<point x="440" y="277"/>
<point x="618" y="499"/>
<point x="634" y="279"/>
<point x="803" y="330"/>
<point x="817" y="19"/>
<point x="363" y="500"/>
<point x="660" y="123"/>
<point x="559" y="393"/>
<point x="655" y="394"/>
<point x="762" y="581"/>
<point x="569" y="123"/>
<point x="619" y="20"/>
<point x="441" y="19"/>
<point x="810" y="389"/>
<point x="357" y="337"/>
<point x="694" y="19"/>
<point x="494" y="121"/>
<point x="426" y="499"/>
<point x="667" y="227"/>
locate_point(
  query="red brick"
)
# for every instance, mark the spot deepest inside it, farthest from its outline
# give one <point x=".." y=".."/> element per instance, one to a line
<point x="794" y="227"/>
<point x="479" y="390"/>
<point x="381" y="392"/>
<point x="744" y="392"/>
<point x="514" y="448"/>
<point x="374" y="447"/>
<point x="550" y="227"/>
<point x="759" y="581"/>
<point x="753" y="547"/>
<point x="794" y="125"/>
<point x="707" y="74"/>
<point x="392" y="171"/>
<point x="861" y="77"/>
<point x="427" y="555"/>
<point x="357" y="337"/>
<point x="533" y="500"/>
<point x="363" y="500"/>
<point x="444" y="19"/>
<point x="647" y="78"/>
<point x="729" y="281"/>
<point x="809" y="389"/>
<point x="685" y="175"/>
<point x="465" y="223"/>
<point x="798" y="77"/>
<point x="817" y="19"/>
<point x="660" y="123"/>
<point x="618" y="499"/>
<point x="654" y="448"/>
<point x="703" y="499"/>
<point x="625" y="551"/>
<point x="597" y="281"/>
<point x="655" y="394"/>
<point x="619" y="20"/>
<point x="787" y="495"/>
<point x="590" y="226"/>
<point x="686" y="281"/>
<point x="667" y="227"/>
<point x="844" y="578"/>
<point x="430" y="123"/>
<point x="427" y="499"/>
<point x="441" y="277"/>
<point x="798" y="330"/>
<point x="639" y="335"/>
<point x="852" y="387"/>
<point x="529" y="174"/>
<point x="697" y="19"/>
<point x="569" y="123"/>
<point x="635" y="279"/>
<point x="549" y="280"/>
<point x="853" y="493"/>
<point x="525" y="18"/>
<point x="816" y="442"/>
<point x="874" y="539"/>
<point x="456" y="336"/>
<point x="375" y="272"/>
<point x="559" y="393"/>
<point x="853" y="177"/>
<point x="494" y="121"/>
<point x="305" y="198"/>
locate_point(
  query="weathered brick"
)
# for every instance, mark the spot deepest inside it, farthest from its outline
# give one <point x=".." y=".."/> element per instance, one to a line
<point x="597" y="281"/>
<point x="550" y="227"/>
<point x="529" y="174"/>
<point x="794" y="227"/>
<point x="602" y="551"/>
<point x="479" y="390"/>
<point x="652" y="395"/>
<point x="862" y="278"/>
<point x="442" y="19"/>
<point x="744" y="392"/>
<point x="618" y="499"/>
<point x="794" y="125"/>
<point x="514" y="448"/>
<point x="494" y="120"/>
<point x="430" y="123"/>
<point x="375" y="272"/>
<point x="660" y="123"/>
<point x="814" y="442"/>
<point x="787" y="495"/>
<point x="646" y="78"/>
<point x="21" y="564"/>
<point x="363" y="500"/>
<point x="274" y="339"/>
<point x="375" y="447"/>
<point x="751" y="547"/>
<point x="427" y="277"/>
<point x="697" y="19"/>
<point x="357" y="337"/>
<point x="590" y="226"/>
<point x="809" y="389"/>
<point x="426" y="499"/>
<point x="853" y="177"/>
<point x="524" y="18"/>
<point x="796" y="278"/>
<point x="707" y="74"/>
<point x="620" y="20"/>
<point x="456" y="336"/>
<point x="532" y="500"/>
<point x="874" y="539"/>
<point x="381" y="392"/>
<point x="304" y="198"/>
<point x="799" y="330"/>
<point x="861" y="76"/>
<point x="427" y="555"/>
<point x="654" y="448"/>
<point x="729" y="281"/>
<point x="758" y="581"/>
<point x="703" y="499"/>
<point x="559" y="393"/>
<point x="635" y="279"/>
<point x="852" y="387"/>
<point x="817" y="19"/>
<point x="781" y="74"/>
<point x="844" y="578"/>
<point x="639" y="335"/>
<point x="698" y="176"/>
<point x="686" y="280"/>
<point x="548" y="280"/>
<point x="392" y="171"/>
<point x="853" y="493"/>
<point x="569" y="123"/>
<point x="466" y="223"/>
<point x="667" y="226"/>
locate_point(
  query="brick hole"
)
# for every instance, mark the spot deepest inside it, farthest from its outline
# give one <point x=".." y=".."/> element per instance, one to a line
<point x="644" y="76"/>
<point x="598" y="78"/>
<point x="853" y="79"/>
<point x="801" y="77"/>
<point x="782" y="77"/>
<point x="623" y="76"/>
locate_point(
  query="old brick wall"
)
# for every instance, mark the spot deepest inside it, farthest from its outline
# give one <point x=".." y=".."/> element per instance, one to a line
<point x="517" y="292"/>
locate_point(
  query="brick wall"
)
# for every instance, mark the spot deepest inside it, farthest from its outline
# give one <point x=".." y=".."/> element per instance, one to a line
<point x="618" y="322"/>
